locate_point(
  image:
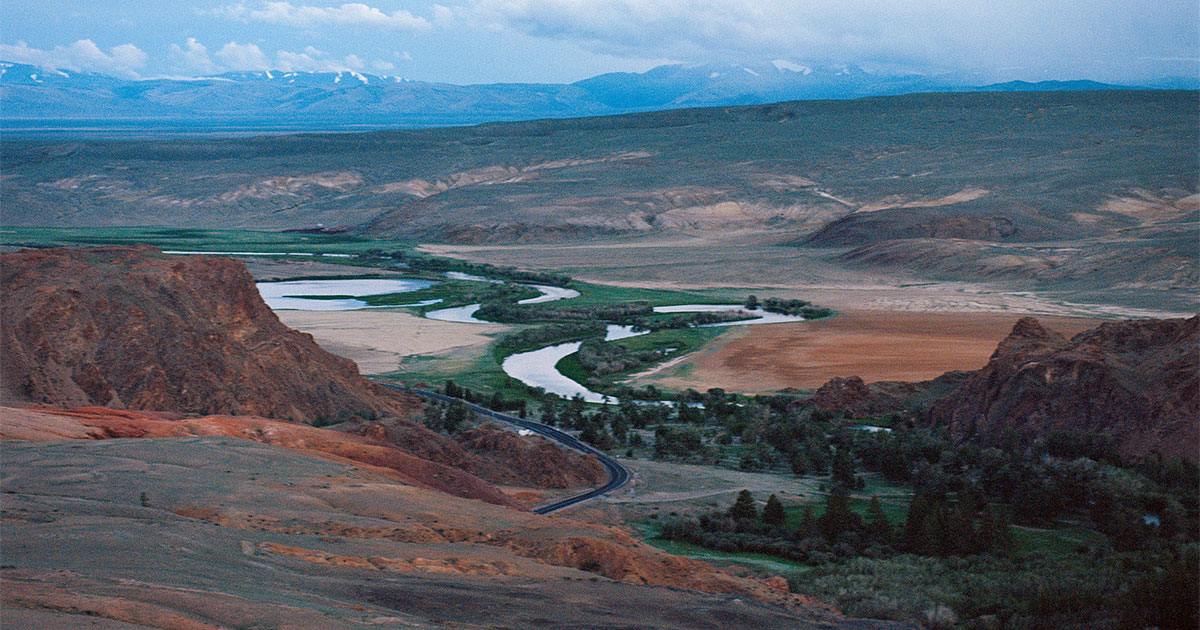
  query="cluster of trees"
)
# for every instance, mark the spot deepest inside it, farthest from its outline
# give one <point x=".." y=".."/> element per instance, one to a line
<point x="1131" y="505"/>
<point x="479" y="269"/>
<point x="495" y="401"/>
<point x="938" y="526"/>
<point x="684" y="443"/>
<point x="676" y="321"/>
<point x="551" y="333"/>
<point x="802" y="308"/>
<point x="935" y="525"/>
<point x="838" y="533"/>
<point x="447" y="418"/>
<point x="600" y="357"/>
<point x="522" y="313"/>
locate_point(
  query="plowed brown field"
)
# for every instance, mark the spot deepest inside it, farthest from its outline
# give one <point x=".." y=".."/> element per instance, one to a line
<point x="873" y="345"/>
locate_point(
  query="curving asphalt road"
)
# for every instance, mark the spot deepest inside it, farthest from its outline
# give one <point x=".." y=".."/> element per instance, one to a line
<point x="617" y="474"/>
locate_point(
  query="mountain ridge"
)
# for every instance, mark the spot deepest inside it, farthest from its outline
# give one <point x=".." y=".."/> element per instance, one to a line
<point x="340" y="100"/>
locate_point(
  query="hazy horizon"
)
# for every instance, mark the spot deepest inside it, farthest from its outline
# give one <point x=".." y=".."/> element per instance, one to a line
<point x="553" y="41"/>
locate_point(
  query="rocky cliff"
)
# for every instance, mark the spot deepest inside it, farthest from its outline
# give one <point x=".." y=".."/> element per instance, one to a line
<point x="129" y="327"/>
<point x="1133" y="381"/>
<point x="852" y="398"/>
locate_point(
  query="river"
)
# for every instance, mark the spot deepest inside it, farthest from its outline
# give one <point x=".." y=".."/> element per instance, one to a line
<point x="466" y="314"/>
<point x="536" y="368"/>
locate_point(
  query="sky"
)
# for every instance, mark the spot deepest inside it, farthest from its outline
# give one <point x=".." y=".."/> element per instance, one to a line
<point x="561" y="41"/>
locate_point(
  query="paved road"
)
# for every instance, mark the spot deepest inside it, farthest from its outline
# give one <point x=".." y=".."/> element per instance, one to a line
<point x="617" y="474"/>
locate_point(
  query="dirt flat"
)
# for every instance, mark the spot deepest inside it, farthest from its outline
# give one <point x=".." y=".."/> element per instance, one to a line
<point x="378" y="339"/>
<point x="876" y="346"/>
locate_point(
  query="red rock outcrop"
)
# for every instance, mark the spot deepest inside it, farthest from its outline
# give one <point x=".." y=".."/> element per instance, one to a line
<point x="492" y="453"/>
<point x="854" y="399"/>
<point x="1135" y="381"/>
<point x="536" y="460"/>
<point x="100" y="423"/>
<point x="129" y="327"/>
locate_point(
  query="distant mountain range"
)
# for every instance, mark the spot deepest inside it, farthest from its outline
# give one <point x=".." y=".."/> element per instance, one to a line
<point x="34" y="98"/>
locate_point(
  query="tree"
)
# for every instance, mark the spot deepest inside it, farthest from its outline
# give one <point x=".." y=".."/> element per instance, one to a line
<point x="751" y="302"/>
<point x="620" y="428"/>
<point x="800" y="464"/>
<point x="807" y="520"/>
<point x="773" y="512"/>
<point x="838" y="517"/>
<point x="455" y="416"/>
<point x="549" y="412"/>
<point x="744" y="506"/>
<point x="433" y="416"/>
<point x="877" y="523"/>
<point x="843" y="468"/>
<point x="994" y="534"/>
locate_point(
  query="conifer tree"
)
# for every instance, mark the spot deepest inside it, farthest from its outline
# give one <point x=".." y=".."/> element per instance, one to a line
<point x="877" y="522"/>
<point x="838" y="517"/>
<point x="843" y="468"/>
<point x="773" y="513"/>
<point x="744" y="506"/>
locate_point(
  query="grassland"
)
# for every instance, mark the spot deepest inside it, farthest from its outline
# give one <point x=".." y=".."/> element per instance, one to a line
<point x="196" y="239"/>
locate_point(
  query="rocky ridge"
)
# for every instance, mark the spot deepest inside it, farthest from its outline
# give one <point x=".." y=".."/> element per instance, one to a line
<point x="127" y="327"/>
<point x="1136" y="382"/>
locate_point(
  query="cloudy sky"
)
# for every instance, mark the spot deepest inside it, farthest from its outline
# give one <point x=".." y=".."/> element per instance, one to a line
<point x="486" y="41"/>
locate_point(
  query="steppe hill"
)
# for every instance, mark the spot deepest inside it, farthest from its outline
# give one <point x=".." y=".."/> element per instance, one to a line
<point x="1089" y="194"/>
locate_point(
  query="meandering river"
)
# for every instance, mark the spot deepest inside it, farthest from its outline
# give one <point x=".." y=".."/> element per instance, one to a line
<point x="536" y="367"/>
<point x="466" y="314"/>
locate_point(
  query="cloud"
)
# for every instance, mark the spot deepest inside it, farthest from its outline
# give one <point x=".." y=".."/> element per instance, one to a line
<point x="83" y="55"/>
<point x="193" y="59"/>
<point x="243" y="57"/>
<point x="932" y="34"/>
<point x="250" y="58"/>
<point x="304" y="16"/>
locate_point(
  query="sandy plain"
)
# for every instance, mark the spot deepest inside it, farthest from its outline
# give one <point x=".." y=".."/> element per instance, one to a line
<point x="377" y="340"/>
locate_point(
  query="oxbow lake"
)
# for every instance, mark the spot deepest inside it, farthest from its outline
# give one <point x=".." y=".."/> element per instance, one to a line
<point x="290" y="295"/>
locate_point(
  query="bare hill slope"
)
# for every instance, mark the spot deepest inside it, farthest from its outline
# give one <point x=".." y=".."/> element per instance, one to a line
<point x="993" y="166"/>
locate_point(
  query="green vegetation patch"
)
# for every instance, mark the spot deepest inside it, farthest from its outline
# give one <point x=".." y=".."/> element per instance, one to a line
<point x="454" y="293"/>
<point x="603" y="295"/>
<point x="195" y="239"/>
